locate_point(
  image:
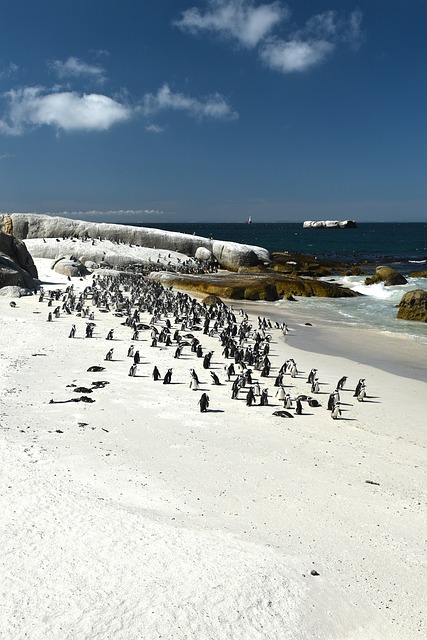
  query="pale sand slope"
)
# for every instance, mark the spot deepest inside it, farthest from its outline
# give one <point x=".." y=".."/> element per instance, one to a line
<point x="146" y="519"/>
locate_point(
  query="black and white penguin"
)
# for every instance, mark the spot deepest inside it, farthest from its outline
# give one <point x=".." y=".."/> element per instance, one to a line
<point x="336" y="412"/>
<point x="204" y="402"/>
<point x="341" y="383"/>
<point x="298" y="407"/>
<point x="215" y="379"/>
<point x="168" y="377"/>
<point x="156" y="374"/>
<point x="359" y="386"/>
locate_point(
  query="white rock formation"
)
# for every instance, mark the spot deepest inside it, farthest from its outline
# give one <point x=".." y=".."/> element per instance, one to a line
<point x="230" y="255"/>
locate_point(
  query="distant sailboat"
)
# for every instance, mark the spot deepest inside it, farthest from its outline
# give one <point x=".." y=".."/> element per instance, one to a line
<point x="249" y="220"/>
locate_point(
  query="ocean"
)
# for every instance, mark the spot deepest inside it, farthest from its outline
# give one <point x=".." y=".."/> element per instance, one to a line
<point x="403" y="246"/>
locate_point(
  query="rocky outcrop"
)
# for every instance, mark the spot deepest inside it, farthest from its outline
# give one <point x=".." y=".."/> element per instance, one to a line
<point x="329" y="224"/>
<point x="389" y="276"/>
<point x="230" y="255"/>
<point x="413" y="306"/>
<point x="253" y="286"/>
<point x="17" y="267"/>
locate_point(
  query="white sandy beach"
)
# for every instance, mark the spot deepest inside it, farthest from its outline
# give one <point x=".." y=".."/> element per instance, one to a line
<point x="138" y="517"/>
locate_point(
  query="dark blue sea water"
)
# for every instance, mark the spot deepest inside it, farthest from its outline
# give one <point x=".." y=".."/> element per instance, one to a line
<point x="391" y="242"/>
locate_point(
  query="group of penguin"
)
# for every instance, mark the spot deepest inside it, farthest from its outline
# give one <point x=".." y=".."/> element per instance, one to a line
<point x="247" y="347"/>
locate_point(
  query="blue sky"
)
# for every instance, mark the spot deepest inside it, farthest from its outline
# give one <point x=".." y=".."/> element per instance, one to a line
<point x="213" y="110"/>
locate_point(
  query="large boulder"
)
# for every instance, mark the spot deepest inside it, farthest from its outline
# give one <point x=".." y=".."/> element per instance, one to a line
<point x="230" y="255"/>
<point x="389" y="276"/>
<point x="69" y="267"/>
<point x="17" y="267"/>
<point x="413" y="306"/>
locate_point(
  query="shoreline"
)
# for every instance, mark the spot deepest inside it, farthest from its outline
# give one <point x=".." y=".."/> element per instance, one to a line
<point x="139" y="508"/>
<point x="397" y="354"/>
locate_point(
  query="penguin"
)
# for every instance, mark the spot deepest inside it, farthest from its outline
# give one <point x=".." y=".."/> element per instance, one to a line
<point x="250" y="397"/>
<point x="156" y="374"/>
<point x="168" y="377"/>
<point x="336" y="412"/>
<point x="331" y="402"/>
<point x="311" y="376"/>
<point x="215" y="379"/>
<point x="73" y="331"/>
<point x="362" y="393"/>
<point x="341" y="383"/>
<point x="359" y="386"/>
<point x="110" y="334"/>
<point x="132" y="370"/>
<point x="298" y="407"/>
<point x="264" y="398"/>
<point x="136" y="357"/>
<point x="204" y="402"/>
<point x="131" y="351"/>
<point x="109" y="355"/>
<point x="287" y="403"/>
<point x="281" y="393"/>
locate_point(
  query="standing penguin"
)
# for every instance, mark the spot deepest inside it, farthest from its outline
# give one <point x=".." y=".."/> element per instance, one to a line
<point x="109" y="355"/>
<point x="362" y="393"/>
<point x="341" y="383"/>
<point x="250" y="397"/>
<point x="204" y="402"/>
<point x="336" y="412"/>
<point x="264" y="398"/>
<point x="194" y="382"/>
<point x="136" y="358"/>
<point x="359" y="386"/>
<point x="331" y="402"/>
<point x="298" y="407"/>
<point x="311" y="376"/>
<point x="215" y="379"/>
<point x="156" y="374"/>
<point x="168" y="377"/>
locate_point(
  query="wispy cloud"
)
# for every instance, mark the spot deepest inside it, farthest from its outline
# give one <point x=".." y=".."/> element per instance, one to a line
<point x="314" y="43"/>
<point x="214" y="106"/>
<point x="253" y="27"/>
<point x="240" y="20"/>
<point x="76" y="68"/>
<point x="8" y="71"/>
<point x="154" y="128"/>
<point x="66" y="111"/>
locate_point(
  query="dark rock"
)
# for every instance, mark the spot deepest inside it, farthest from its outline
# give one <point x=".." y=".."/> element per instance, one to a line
<point x="389" y="276"/>
<point x="17" y="267"/>
<point x="413" y="306"/>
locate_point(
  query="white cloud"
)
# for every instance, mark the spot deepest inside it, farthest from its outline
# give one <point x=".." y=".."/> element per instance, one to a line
<point x="74" y="68"/>
<point x="314" y="43"/>
<point x="67" y="111"/>
<point x="236" y="19"/>
<point x="214" y="106"/>
<point x="154" y="128"/>
<point x="295" y="55"/>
